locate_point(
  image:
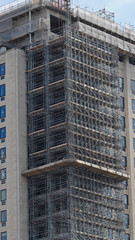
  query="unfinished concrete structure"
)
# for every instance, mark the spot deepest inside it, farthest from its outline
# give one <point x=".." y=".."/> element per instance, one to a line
<point x="74" y="171"/>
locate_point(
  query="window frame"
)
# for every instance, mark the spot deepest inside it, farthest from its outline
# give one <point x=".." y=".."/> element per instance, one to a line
<point x="123" y="123"/>
<point x="1" y="113"/>
<point x="126" y="201"/>
<point x="3" y="172"/>
<point x="123" y="143"/>
<point x="126" y="220"/>
<point x="3" y="135"/>
<point x="121" y="84"/>
<point x="3" y="199"/>
<point x="124" y="161"/>
<point x="133" y="105"/>
<point x="3" y="90"/>
<point x="2" y="73"/>
<point x="122" y="103"/>
<point x="4" y="215"/>
<point x="3" y="237"/>
<point x="2" y="153"/>
<point x="133" y="86"/>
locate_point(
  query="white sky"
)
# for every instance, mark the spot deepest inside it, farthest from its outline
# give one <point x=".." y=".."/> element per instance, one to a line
<point x="124" y="9"/>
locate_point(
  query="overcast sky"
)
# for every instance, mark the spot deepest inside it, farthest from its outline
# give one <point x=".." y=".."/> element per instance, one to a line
<point x="124" y="9"/>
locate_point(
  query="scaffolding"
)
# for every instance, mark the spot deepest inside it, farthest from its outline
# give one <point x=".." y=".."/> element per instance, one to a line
<point x="73" y="113"/>
<point x="73" y="126"/>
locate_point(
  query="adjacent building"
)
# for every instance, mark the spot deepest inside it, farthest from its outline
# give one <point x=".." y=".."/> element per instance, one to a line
<point x="67" y="131"/>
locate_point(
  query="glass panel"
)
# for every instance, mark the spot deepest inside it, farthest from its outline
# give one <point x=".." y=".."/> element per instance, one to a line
<point x="134" y="143"/>
<point x="124" y="160"/>
<point x="2" y="153"/>
<point x="121" y="84"/>
<point x="133" y="86"/>
<point x="122" y="105"/>
<point x="110" y="233"/>
<point x="118" y="235"/>
<point x="127" y="236"/>
<point x="122" y="123"/>
<point x="2" y="111"/>
<point x="125" y="182"/>
<point x="4" y="236"/>
<point x="4" y="216"/>
<point x="3" y="132"/>
<point x="3" y="173"/>
<point x="2" y="69"/>
<point x="133" y="104"/>
<point x="3" y="195"/>
<point x="126" y="201"/>
<point x="109" y="212"/>
<point x="126" y="220"/>
<point x="123" y="142"/>
<point x="2" y="90"/>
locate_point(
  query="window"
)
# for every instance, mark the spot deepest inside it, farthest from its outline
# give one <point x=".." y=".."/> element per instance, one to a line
<point x="134" y="162"/>
<point x="3" y="173"/>
<point x="2" y="90"/>
<point x="122" y="123"/>
<point x="108" y="192"/>
<point x="127" y="236"/>
<point x="2" y="132"/>
<point x="134" y="143"/>
<point x="3" y="195"/>
<point x="121" y="84"/>
<point x="122" y="104"/>
<point x="110" y="233"/>
<point x="117" y="215"/>
<point x="109" y="213"/>
<point x="4" y="236"/>
<point x="2" y="111"/>
<point x="2" y="153"/>
<point x="3" y="216"/>
<point x="2" y="69"/>
<point x="133" y="123"/>
<point x="123" y="143"/>
<point x="124" y="160"/>
<point x="125" y="183"/>
<point x="126" y="220"/>
<point x="133" y="104"/>
<point x="133" y="86"/>
<point x="126" y="200"/>
<point x="118" y="235"/>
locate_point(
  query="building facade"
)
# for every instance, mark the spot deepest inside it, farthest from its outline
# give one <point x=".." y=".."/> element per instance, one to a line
<point x="67" y="110"/>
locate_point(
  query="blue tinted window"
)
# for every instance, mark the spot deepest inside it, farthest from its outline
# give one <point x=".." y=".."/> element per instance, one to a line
<point x="134" y="143"/>
<point x="123" y="142"/>
<point x="2" y="153"/>
<point x="133" y="104"/>
<point x="2" y="90"/>
<point x="118" y="235"/>
<point x="2" y="132"/>
<point x="2" y="111"/>
<point x="110" y="233"/>
<point x="126" y="220"/>
<point x="127" y="236"/>
<point x="4" y="236"/>
<point x="3" y="173"/>
<point x="3" y="195"/>
<point x="126" y="200"/>
<point x="122" y="103"/>
<point x="124" y="160"/>
<point x="2" y="69"/>
<point x="3" y="216"/>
